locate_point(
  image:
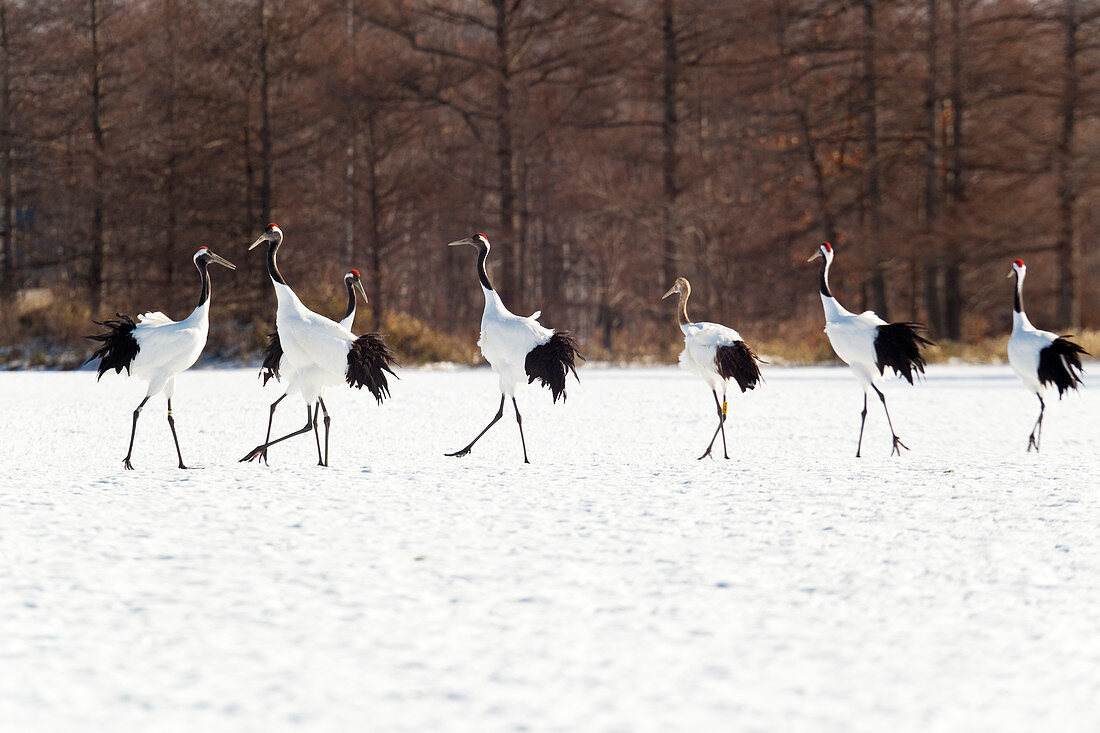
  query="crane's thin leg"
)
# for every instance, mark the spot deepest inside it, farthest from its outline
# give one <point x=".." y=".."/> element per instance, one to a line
<point x="1037" y="431"/>
<point x="519" y="421"/>
<point x="862" y="422"/>
<point x="500" y="414"/>
<point x="270" y="418"/>
<point x="722" y="422"/>
<point x="259" y="450"/>
<point x="720" y="428"/>
<point x="133" y="431"/>
<point x="897" y="440"/>
<point x="328" y="421"/>
<point x="317" y="433"/>
<point x="172" y="424"/>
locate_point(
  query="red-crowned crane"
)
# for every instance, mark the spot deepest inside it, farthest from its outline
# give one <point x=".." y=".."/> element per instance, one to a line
<point x="518" y="348"/>
<point x="156" y="348"/>
<point x="716" y="353"/>
<point x="273" y="366"/>
<point x="1040" y="358"/>
<point x="317" y="352"/>
<point x="868" y="345"/>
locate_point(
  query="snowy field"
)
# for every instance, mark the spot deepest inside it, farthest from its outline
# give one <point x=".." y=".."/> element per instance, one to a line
<point x="616" y="584"/>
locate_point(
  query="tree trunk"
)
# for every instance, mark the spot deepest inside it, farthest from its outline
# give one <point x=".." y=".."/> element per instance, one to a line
<point x="171" y="114"/>
<point x="7" y="178"/>
<point x="873" y="192"/>
<point x="821" y="193"/>
<point x="953" y="301"/>
<point x="956" y="177"/>
<point x="931" y="98"/>
<point x="377" y="301"/>
<point x="350" y="130"/>
<point x="670" y="133"/>
<point x="266" y="154"/>
<point x="98" y="255"/>
<point x="509" y="287"/>
<point x="933" y="297"/>
<point x="1069" y="312"/>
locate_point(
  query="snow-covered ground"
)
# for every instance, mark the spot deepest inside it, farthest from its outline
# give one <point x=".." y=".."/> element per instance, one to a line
<point x="615" y="584"/>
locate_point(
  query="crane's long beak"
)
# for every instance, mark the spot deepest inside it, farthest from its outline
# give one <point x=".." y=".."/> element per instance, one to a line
<point x="1012" y="273"/>
<point x="358" y="285"/>
<point x="670" y="292"/>
<point x="815" y="256"/>
<point x="258" y="242"/>
<point x="221" y="260"/>
<point x="464" y="240"/>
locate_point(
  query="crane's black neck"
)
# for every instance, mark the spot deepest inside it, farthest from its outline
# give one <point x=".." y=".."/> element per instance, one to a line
<point x="351" y="299"/>
<point x="482" y="253"/>
<point x="825" y="278"/>
<point x="1018" y="303"/>
<point x="204" y="276"/>
<point x="272" y="265"/>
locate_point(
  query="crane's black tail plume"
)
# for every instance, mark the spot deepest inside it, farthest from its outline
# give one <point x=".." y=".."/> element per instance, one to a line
<point x="119" y="345"/>
<point x="368" y="361"/>
<point x="738" y="362"/>
<point x="898" y="345"/>
<point x="551" y="362"/>
<point x="1060" y="365"/>
<point x="273" y="355"/>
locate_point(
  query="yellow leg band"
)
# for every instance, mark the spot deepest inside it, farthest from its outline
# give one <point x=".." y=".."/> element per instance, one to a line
<point x="725" y="406"/>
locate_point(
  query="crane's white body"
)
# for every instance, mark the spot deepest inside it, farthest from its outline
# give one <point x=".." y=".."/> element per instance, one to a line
<point x="167" y="347"/>
<point x="701" y="342"/>
<point x="853" y="338"/>
<point x="315" y="348"/>
<point x="506" y="339"/>
<point x="1024" y="346"/>
<point x="348" y="321"/>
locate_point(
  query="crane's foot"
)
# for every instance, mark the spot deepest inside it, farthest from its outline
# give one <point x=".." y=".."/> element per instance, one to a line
<point x="255" y="453"/>
<point x="458" y="454"/>
<point x="895" y="450"/>
<point x="126" y="464"/>
<point x="705" y="455"/>
<point x="183" y="466"/>
<point x="264" y="456"/>
<point x="1032" y="442"/>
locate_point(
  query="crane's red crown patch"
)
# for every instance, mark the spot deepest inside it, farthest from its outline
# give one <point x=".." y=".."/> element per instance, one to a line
<point x="1019" y="263"/>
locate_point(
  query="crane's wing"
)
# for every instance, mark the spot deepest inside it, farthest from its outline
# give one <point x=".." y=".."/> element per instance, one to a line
<point x="172" y="346"/>
<point x="310" y="339"/>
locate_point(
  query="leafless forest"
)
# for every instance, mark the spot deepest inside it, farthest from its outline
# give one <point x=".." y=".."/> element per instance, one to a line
<point x="604" y="147"/>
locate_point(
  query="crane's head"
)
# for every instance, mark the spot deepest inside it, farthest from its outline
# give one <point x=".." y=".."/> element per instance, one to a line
<point x="351" y="279"/>
<point x="478" y="240"/>
<point x="272" y="234"/>
<point x="825" y="250"/>
<point x="1018" y="268"/>
<point x="204" y="257"/>
<point x="681" y="286"/>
